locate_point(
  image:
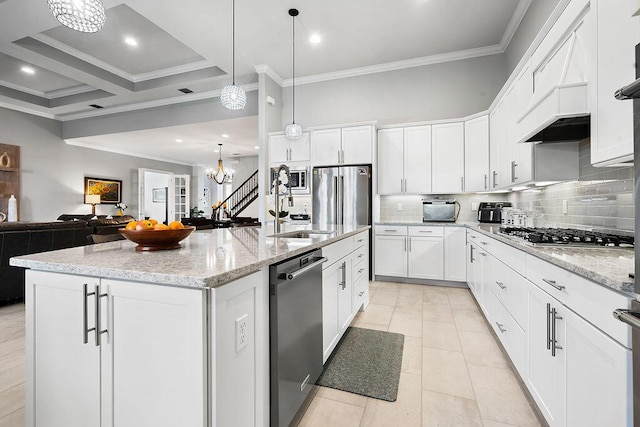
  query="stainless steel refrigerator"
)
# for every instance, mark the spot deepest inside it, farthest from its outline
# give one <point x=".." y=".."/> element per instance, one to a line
<point x="632" y="317"/>
<point x="341" y="195"/>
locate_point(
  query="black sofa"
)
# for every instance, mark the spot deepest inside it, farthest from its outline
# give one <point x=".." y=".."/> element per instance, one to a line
<point x="23" y="238"/>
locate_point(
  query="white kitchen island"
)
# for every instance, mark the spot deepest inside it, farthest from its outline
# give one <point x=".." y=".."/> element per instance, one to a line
<point x="116" y="337"/>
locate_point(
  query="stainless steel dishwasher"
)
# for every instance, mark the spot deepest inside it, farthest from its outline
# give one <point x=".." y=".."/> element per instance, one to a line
<point x="295" y="333"/>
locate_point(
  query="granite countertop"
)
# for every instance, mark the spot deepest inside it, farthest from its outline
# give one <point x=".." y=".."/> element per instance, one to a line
<point x="608" y="266"/>
<point x="208" y="258"/>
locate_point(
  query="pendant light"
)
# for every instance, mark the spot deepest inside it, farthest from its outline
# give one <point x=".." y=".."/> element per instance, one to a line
<point x="293" y="131"/>
<point x="81" y="15"/>
<point x="219" y="175"/>
<point x="233" y="97"/>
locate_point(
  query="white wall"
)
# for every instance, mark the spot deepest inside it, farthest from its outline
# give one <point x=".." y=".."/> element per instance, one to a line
<point x="154" y="180"/>
<point x="439" y="91"/>
<point x="52" y="172"/>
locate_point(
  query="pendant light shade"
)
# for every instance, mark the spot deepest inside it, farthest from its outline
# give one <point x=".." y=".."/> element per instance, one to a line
<point x="293" y="131"/>
<point x="233" y="97"/>
<point x="81" y="15"/>
<point x="219" y="175"/>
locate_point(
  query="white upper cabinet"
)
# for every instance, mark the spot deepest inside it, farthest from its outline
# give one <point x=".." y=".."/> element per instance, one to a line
<point x="612" y="58"/>
<point x="342" y="146"/>
<point x="390" y="161"/>
<point x="357" y="145"/>
<point x="404" y="160"/>
<point x="447" y="172"/>
<point x="476" y="154"/>
<point x="325" y="147"/>
<point x="283" y="150"/>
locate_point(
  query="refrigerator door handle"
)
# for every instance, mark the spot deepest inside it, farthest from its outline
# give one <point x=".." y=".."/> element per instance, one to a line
<point x="341" y="199"/>
<point x="335" y="203"/>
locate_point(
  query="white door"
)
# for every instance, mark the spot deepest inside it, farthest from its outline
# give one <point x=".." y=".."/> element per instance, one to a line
<point x="426" y="258"/>
<point x="345" y="294"/>
<point x="65" y="369"/>
<point x="483" y="276"/>
<point x="598" y="377"/>
<point x="357" y="145"/>
<point x="494" y="138"/>
<point x="330" y="281"/>
<point x="448" y="158"/>
<point x="476" y="154"/>
<point x="471" y="267"/>
<point x="546" y="372"/>
<point x="278" y="149"/>
<point x="325" y="147"/>
<point x="455" y="262"/>
<point x="154" y="355"/>
<point x="390" y="161"/>
<point x="391" y="256"/>
<point x="417" y="159"/>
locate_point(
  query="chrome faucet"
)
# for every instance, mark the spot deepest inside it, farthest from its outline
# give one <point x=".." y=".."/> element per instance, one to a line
<point x="276" y="194"/>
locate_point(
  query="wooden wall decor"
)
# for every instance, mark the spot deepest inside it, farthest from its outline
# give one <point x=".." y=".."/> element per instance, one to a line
<point x="9" y="175"/>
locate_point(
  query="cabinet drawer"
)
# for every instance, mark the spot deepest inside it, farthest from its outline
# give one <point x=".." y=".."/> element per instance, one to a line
<point x="360" y="269"/>
<point x="426" y="231"/>
<point x="390" y="230"/>
<point x="361" y="291"/>
<point x="336" y="251"/>
<point x="590" y="300"/>
<point x="361" y="239"/>
<point x="512" y="257"/>
<point x="509" y="287"/>
<point x="510" y="334"/>
<point x="360" y="254"/>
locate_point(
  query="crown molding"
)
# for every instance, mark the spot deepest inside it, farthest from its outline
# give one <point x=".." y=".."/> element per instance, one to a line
<point x="398" y="65"/>
<point x="265" y="69"/>
<point x="76" y="90"/>
<point x="27" y="110"/>
<point x="150" y="104"/>
<point x="124" y="152"/>
<point x="514" y="23"/>
<point x="135" y="78"/>
<point x="24" y="89"/>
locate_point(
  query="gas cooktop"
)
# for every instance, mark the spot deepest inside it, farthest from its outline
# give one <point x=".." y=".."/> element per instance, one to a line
<point x="567" y="236"/>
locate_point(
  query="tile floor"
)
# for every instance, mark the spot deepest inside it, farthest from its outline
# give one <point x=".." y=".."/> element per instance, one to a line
<point x="453" y="372"/>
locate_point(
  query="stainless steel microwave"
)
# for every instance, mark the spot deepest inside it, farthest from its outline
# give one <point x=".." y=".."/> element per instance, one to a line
<point x="439" y="211"/>
<point x="299" y="179"/>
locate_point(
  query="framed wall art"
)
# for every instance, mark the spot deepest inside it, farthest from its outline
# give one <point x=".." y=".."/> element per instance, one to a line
<point x="110" y="190"/>
<point x="159" y="195"/>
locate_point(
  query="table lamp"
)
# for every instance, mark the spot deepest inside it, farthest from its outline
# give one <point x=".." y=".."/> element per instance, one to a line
<point x="93" y="200"/>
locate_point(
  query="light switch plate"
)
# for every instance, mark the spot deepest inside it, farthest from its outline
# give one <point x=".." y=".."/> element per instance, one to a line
<point x="565" y="207"/>
<point x="399" y="206"/>
<point x="474" y="206"/>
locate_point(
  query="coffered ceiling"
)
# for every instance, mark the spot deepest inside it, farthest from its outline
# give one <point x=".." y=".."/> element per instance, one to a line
<point x="187" y="44"/>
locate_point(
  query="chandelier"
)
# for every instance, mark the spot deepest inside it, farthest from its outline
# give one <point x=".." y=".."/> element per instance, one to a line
<point x="80" y="15"/>
<point x="219" y="175"/>
<point x="233" y="97"/>
<point x="293" y="131"/>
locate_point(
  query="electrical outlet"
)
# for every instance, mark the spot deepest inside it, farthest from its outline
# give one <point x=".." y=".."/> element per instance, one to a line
<point x="242" y="332"/>
<point x="565" y="207"/>
<point x="474" y="206"/>
<point x="399" y="207"/>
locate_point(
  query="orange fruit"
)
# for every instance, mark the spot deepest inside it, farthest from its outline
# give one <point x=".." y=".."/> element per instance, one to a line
<point x="144" y="225"/>
<point x="153" y="221"/>
<point x="160" y="226"/>
<point x="175" y="225"/>
<point x="131" y="225"/>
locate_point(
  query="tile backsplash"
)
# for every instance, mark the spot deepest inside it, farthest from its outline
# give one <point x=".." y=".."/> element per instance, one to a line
<point x="601" y="198"/>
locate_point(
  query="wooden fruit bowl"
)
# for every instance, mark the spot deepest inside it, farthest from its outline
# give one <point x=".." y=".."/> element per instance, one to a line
<point x="157" y="240"/>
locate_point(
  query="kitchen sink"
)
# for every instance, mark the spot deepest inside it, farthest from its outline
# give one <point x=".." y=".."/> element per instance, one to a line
<point x="303" y="234"/>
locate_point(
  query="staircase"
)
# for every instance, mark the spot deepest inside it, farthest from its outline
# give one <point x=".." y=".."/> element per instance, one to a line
<point x="246" y="193"/>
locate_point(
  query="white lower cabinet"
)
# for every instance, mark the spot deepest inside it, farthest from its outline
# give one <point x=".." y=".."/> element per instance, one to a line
<point x="556" y="328"/>
<point x="345" y="287"/>
<point x="119" y="376"/>
<point x="421" y="252"/>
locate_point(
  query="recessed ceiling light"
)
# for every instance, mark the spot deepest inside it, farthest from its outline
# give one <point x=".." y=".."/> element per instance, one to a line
<point x="224" y="135"/>
<point x="28" y="70"/>
<point x="178" y="141"/>
<point x="315" y="38"/>
<point x="131" y="41"/>
<point x="256" y="147"/>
